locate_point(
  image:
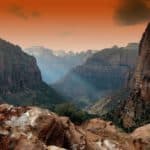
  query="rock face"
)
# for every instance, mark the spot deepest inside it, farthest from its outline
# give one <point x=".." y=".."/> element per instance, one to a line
<point x="17" y="69"/>
<point x="20" y="78"/>
<point x="34" y="128"/>
<point x="142" y="74"/>
<point x="136" y="109"/>
<point x="104" y="72"/>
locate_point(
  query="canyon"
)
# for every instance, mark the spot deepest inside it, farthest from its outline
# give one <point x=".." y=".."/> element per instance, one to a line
<point x="37" y="128"/>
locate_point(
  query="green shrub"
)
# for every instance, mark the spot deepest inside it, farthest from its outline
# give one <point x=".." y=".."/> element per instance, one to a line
<point x="75" y="114"/>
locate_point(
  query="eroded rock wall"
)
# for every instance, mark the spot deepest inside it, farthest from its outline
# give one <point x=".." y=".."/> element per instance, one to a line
<point x="136" y="109"/>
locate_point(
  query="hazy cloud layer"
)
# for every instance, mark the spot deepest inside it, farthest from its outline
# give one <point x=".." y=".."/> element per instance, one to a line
<point x="21" y="13"/>
<point x="133" y="12"/>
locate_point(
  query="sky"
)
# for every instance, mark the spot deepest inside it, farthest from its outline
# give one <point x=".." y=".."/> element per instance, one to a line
<point x="73" y="24"/>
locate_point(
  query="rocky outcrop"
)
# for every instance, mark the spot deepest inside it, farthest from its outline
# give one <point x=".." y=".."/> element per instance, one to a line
<point x="135" y="111"/>
<point x="34" y="128"/>
<point x="103" y="73"/>
<point x="143" y="132"/>
<point x="20" y="78"/>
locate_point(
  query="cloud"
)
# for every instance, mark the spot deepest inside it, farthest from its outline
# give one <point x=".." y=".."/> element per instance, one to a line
<point x="132" y="12"/>
<point x="21" y="13"/>
<point x="17" y="11"/>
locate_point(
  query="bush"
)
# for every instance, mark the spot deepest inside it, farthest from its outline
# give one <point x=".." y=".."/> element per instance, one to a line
<point x="70" y="110"/>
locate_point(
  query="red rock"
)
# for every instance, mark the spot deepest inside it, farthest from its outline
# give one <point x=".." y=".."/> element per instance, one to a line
<point x="39" y="129"/>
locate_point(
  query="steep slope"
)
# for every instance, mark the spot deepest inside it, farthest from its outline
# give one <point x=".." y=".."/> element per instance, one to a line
<point x="34" y="128"/>
<point x="137" y="107"/>
<point x="108" y="103"/>
<point x="17" y="69"/>
<point x="20" y="78"/>
<point x="135" y="111"/>
<point x="104" y="72"/>
<point x="54" y="65"/>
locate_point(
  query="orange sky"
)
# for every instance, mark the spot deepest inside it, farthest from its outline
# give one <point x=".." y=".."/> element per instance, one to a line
<point x="65" y="24"/>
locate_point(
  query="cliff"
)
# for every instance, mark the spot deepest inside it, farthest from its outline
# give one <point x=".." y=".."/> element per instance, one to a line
<point x="138" y="105"/>
<point x="20" y="78"/>
<point x="135" y="110"/>
<point x="142" y="73"/>
<point x="17" y="69"/>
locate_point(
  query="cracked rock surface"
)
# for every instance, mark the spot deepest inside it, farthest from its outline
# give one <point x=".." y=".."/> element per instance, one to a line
<point x="34" y="128"/>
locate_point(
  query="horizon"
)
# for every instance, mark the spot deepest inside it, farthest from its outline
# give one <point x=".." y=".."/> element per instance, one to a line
<point x="76" y="51"/>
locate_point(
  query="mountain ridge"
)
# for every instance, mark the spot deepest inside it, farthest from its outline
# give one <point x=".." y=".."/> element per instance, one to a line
<point x="103" y="71"/>
<point x="54" y="65"/>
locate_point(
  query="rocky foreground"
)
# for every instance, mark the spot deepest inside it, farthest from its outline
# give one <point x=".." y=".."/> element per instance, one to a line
<point x="33" y="128"/>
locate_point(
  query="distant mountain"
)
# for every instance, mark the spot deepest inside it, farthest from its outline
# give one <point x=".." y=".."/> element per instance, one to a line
<point x="55" y="64"/>
<point x="20" y="79"/>
<point x="105" y="72"/>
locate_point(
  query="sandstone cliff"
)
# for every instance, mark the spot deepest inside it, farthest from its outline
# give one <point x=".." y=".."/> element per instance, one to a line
<point x="17" y="69"/>
<point x="135" y="111"/>
<point x="20" y="78"/>
<point x="142" y="73"/>
<point x="34" y="128"/>
<point x="137" y="107"/>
